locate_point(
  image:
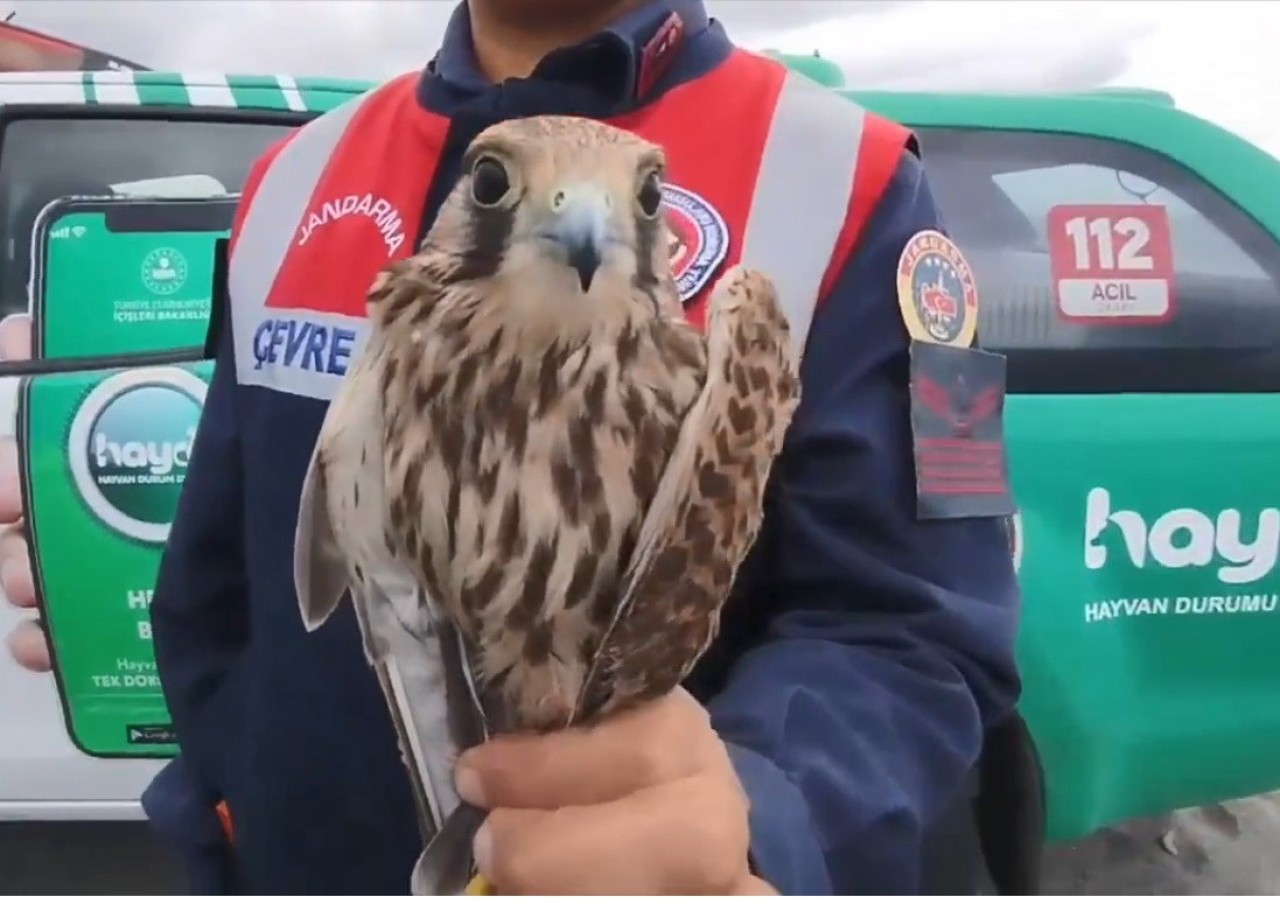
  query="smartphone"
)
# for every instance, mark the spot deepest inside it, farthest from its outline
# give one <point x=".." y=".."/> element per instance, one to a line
<point x="114" y="276"/>
<point x="121" y="294"/>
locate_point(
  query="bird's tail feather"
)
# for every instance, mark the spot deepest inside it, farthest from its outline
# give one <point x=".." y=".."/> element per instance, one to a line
<point x="446" y="866"/>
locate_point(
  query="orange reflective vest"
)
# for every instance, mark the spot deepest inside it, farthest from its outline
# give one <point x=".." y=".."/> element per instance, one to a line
<point x="764" y="166"/>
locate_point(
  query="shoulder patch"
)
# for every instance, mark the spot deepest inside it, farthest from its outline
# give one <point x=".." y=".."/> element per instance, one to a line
<point x="699" y="239"/>
<point x="957" y="429"/>
<point x="957" y="391"/>
<point x="937" y="292"/>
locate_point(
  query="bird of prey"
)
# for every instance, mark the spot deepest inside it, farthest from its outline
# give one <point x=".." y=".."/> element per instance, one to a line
<point x="537" y="480"/>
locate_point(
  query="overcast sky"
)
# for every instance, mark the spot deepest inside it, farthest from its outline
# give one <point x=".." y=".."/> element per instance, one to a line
<point x="1218" y="58"/>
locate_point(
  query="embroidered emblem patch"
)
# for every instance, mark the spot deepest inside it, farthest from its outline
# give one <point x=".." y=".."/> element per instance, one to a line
<point x="699" y="240"/>
<point x="957" y="428"/>
<point x="937" y="292"/>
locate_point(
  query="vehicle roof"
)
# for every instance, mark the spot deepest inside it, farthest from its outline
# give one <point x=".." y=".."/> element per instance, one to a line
<point x="277" y="92"/>
<point x="281" y="92"/>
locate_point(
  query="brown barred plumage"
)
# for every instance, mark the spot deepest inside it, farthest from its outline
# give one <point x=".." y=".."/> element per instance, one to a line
<point x="536" y="446"/>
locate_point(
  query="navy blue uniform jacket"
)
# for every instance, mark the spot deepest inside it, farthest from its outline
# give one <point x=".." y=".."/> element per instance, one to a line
<point x="862" y="655"/>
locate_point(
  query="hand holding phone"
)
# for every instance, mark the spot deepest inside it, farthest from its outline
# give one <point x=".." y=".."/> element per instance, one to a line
<point x="122" y="293"/>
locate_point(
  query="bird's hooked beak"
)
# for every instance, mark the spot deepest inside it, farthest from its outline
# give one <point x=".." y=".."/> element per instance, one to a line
<point x="580" y="224"/>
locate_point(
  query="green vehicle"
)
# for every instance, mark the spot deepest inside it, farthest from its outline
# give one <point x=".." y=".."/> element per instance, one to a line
<point x="1128" y="260"/>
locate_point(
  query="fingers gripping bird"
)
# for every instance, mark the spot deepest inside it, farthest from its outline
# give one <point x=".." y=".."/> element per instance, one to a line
<point x="537" y="481"/>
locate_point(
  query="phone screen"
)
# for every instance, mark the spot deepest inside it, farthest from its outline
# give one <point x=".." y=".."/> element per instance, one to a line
<point x="104" y="448"/>
<point x="117" y="276"/>
<point x="104" y="455"/>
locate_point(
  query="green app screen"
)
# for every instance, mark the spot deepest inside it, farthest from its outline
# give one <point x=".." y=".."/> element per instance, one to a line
<point x="104" y="292"/>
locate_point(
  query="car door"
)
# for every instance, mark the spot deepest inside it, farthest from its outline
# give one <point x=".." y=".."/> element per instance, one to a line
<point x="51" y="152"/>
<point x="1128" y="266"/>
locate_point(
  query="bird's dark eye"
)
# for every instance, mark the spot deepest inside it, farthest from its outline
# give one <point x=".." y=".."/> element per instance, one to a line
<point x="489" y="182"/>
<point x="650" y="195"/>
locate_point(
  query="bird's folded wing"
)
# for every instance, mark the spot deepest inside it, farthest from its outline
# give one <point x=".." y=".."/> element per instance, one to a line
<point x="707" y="508"/>
<point x="319" y="570"/>
<point x="412" y="650"/>
<point x="432" y="703"/>
<point x="410" y="668"/>
<point x="439" y="699"/>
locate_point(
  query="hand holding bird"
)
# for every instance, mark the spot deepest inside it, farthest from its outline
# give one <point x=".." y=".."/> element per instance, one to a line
<point x="612" y="808"/>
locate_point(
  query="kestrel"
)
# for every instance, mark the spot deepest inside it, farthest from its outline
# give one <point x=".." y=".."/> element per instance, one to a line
<point x="538" y="480"/>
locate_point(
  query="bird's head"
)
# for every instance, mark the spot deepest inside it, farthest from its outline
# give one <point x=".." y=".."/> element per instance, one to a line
<point x="563" y="209"/>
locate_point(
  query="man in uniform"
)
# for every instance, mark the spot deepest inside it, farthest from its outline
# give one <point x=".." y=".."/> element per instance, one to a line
<point x="869" y="641"/>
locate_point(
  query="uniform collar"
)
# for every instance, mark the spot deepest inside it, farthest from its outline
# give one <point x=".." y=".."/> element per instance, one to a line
<point x="626" y="60"/>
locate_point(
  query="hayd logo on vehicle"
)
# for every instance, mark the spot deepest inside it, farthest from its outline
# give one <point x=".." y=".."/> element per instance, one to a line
<point x="1209" y="551"/>
<point x="378" y="209"/>
<point x="129" y="445"/>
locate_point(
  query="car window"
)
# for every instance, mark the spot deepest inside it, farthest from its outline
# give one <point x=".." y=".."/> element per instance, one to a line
<point x="1204" y="248"/>
<point x="1097" y="256"/>
<point x="43" y="159"/>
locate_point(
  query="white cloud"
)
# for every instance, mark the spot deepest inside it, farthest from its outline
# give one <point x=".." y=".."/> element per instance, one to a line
<point x="975" y="45"/>
<point x="1218" y="61"/>
<point x="1216" y="58"/>
<point x="365" y="38"/>
<point x="373" y="38"/>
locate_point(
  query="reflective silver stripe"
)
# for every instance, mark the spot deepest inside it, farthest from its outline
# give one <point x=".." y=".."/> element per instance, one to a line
<point x="301" y="352"/>
<point x="802" y="194"/>
<point x="289" y="350"/>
